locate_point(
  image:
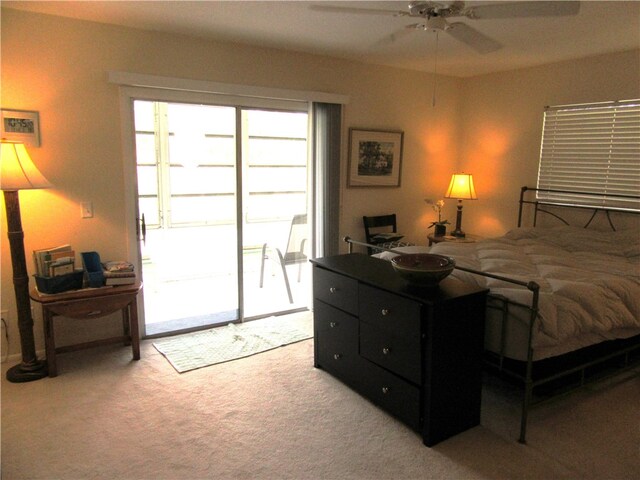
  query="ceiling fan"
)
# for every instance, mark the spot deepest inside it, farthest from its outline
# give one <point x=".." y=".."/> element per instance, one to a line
<point x="434" y="17"/>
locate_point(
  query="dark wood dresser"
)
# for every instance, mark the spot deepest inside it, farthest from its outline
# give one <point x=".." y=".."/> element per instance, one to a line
<point x="416" y="353"/>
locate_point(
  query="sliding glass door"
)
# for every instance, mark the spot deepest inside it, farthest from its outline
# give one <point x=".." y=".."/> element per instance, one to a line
<point x="218" y="189"/>
<point x="276" y="227"/>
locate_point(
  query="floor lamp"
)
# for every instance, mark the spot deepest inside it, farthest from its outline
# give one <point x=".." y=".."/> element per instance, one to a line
<point x="19" y="173"/>
<point x="461" y="188"/>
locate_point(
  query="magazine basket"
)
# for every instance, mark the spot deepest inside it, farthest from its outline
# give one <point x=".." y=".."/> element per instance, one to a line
<point x="60" y="283"/>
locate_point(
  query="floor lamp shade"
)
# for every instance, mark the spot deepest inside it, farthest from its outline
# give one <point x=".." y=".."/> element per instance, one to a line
<point x="461" y="188"/>
<point x="19" y="173"/>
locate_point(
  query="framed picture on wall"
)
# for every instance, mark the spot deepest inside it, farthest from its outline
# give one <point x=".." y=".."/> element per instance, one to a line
<point x="375" y="158"/>
<point x="21" y="126"/>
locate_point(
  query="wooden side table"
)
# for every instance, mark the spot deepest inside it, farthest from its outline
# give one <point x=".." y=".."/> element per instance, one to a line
<point x="87" y="304"/>
<point x="450" y="238"/>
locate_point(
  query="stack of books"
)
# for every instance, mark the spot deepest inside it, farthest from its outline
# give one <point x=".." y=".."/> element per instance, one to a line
<point x="118" y="273"/>
<point x="56" y="261"/>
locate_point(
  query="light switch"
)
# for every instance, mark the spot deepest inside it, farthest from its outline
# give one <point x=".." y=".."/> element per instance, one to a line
<point x="86" y="209"/>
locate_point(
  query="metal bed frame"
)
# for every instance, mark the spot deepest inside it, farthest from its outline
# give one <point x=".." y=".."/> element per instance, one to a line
<point x="576" y="366"/>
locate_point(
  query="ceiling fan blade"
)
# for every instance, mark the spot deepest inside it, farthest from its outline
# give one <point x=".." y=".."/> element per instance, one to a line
<point x="366" y="11"/>
<point x="397" y="35"/>
<point x="473" y="38"/>
<point x="523" y="9"/>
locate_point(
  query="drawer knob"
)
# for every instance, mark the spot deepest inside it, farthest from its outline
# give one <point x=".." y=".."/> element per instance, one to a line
<point x="333" y="289"/>
<point x="337" y="356"/>
<point x="385" y="390"/>
<point x="386" y="350"/>
<point x="385" y="312"/>
<point x="332" y="324"/>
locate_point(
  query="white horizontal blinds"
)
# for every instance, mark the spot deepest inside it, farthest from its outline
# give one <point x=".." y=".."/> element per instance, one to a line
<point x="594" y="149"/>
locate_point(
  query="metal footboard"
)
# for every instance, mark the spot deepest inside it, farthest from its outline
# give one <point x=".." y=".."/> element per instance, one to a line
<point x="504" y="304"/>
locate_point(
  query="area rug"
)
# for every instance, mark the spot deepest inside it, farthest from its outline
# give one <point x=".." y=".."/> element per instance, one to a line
<point x="222" y="344"/>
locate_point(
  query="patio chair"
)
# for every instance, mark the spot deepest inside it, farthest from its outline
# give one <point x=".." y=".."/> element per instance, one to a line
<point x="293" y="254"/>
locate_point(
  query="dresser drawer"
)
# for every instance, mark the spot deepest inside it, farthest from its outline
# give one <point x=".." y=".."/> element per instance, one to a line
<point x="336" y="337"/>
<point x="399" y="354"/>
<point x="396" y="396"/>
<point x="392" y="313"/>
<point x="336" y="290"/>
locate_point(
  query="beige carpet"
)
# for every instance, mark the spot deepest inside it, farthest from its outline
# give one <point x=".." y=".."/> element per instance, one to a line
<point x="274" y="416"/>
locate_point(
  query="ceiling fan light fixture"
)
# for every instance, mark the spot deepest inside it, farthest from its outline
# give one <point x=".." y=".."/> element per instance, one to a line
<point x="418" y="9"/>
<point x="437" y="23"/>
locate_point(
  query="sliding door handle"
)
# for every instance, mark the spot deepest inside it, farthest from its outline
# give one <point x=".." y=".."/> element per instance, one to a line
<point x="142" y="230"/>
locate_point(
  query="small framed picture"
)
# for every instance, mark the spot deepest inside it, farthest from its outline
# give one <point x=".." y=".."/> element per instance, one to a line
<point x="21" y="126"/>
<point x="375" y="158"/>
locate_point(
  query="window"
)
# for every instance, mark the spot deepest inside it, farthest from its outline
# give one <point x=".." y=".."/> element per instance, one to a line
<point x="186" y="164"/>
<point x="592" y="148"/>
<point x="275" y="151"/>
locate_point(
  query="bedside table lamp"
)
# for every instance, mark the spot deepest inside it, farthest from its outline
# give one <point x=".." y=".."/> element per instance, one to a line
<point x="19" y="173"/>
<point x="461" y="188"/>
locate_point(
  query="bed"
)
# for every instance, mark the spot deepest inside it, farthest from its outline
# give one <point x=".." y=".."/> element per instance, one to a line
<point x="564" y="301"/>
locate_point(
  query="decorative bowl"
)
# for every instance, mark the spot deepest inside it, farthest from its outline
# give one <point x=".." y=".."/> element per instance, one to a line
<point x="423" y="269"/>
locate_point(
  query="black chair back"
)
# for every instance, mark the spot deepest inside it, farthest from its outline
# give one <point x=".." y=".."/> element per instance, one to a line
<point x="377" y="224"/>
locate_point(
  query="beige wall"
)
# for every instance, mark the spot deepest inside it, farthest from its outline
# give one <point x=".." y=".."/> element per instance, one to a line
<point x="59" y="67"/>
<point x="502" y="126"/>
<point x="488" y="125"/>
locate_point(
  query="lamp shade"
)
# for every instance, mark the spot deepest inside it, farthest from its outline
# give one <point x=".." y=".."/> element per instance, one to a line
<point x="17" y="170"/>
<point x="461" y="187"/>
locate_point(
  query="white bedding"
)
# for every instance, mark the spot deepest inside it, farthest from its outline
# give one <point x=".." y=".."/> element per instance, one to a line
<point x="589" y="284"/>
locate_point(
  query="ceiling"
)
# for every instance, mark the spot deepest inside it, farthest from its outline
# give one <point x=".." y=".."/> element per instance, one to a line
<point x="599" y="27"/>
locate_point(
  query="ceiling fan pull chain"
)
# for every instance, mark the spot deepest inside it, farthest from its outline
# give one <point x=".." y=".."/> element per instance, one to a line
<point x="435" y="72"/>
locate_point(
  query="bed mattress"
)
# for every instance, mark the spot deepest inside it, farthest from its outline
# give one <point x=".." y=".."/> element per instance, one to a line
<point x="589" y="286"/>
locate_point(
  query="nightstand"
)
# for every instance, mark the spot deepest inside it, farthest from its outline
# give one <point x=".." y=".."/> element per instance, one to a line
<point x="450" y="238"/>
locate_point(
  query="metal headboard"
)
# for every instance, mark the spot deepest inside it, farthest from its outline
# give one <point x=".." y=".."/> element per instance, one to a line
<point x="544" y="206"/>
